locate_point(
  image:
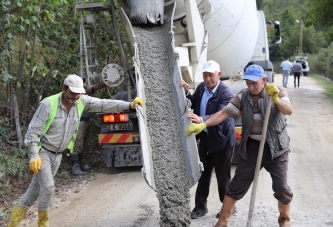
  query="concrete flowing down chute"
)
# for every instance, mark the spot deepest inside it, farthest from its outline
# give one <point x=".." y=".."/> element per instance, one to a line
<point x="172" y="104"/>
<point x="228" y="36"/>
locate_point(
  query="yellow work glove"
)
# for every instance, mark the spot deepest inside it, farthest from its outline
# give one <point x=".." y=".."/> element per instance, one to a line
<point x="137" y="100"/>
<point x="196" y="128"/>
<point x="272" y="90"/>
<point x="35" y="163"/>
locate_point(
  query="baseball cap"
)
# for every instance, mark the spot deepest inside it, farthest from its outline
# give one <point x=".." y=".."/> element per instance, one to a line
<point x="75" y="84"/>
<point x="253" y="73"/>
<point x="211" y="66"/>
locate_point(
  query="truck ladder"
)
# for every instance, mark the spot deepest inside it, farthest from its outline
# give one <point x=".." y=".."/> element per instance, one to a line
<point x="88" y="41"/>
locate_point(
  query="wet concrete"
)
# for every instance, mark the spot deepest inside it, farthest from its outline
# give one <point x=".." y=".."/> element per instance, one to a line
<point x="167" y="153"/>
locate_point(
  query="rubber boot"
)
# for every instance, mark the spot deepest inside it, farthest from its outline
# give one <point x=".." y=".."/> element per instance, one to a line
<point x="226" y="211"/>
<point x="18" y="214"/>
<point x="43" y="218"/>
<point x="76" y="171"/>
<point x="284" y="219"/>
<point x="83" y="167"/>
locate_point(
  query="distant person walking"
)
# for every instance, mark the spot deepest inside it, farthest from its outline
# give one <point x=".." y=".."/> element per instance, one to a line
<point x="297" y="68"/>
<point x="285" y="71"/>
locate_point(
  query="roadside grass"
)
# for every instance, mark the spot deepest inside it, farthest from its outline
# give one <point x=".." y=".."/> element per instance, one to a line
<point x="326" y="84"/>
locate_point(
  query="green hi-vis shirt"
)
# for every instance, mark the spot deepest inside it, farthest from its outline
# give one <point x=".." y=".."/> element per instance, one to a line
<point x="64" y="125"/>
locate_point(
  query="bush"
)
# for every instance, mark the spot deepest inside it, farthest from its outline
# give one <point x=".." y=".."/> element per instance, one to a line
<point x="13" y="163"/>
<point x="6" y="133"/>
<point x="12" y="159"/>
<point x="318" y="62"/>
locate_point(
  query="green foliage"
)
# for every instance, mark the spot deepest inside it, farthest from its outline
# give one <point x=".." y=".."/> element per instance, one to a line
<point x="6" y="133"/>
<point x="315" y="39"/>
<point x="13" y="162"/>
<point x="290" y="32"/>
<point x="260" y="4"/>
<point x="321" y="12"/>
<point x="5" y="77"/>
<point x="321" y="64"/>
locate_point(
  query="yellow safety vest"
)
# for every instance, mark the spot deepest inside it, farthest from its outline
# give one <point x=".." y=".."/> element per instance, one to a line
<point x="54" y="104"/>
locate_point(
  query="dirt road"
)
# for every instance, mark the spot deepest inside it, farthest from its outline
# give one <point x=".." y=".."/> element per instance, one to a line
<point x="122" y="198"/>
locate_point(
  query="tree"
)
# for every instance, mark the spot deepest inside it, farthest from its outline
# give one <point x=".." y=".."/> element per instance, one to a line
<point x="260" y="4"/>
<point x="36" y="35"/>
<point x="321" y="12"/>
<point x="40" y="45"/>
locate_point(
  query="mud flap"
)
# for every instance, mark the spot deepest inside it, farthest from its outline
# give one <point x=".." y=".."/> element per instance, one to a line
<point x="190" y="152"/>
<point x="147" y="11"/>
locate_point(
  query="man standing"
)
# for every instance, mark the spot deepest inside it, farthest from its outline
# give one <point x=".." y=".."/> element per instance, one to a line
<point x="252" y="102"/>
<point x="297" y="68"/>
<point x="51" y="131"/>
<point x="285" y="71"/>
<point x="215" y="147"/>
<point x="82" y="137"/>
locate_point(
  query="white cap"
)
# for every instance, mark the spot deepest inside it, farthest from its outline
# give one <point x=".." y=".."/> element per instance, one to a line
<point x="75" y="84"/>
<point x="211" y="66"/>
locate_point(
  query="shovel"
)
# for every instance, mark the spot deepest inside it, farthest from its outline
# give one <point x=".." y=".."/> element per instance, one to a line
<point x="261" y="151"/>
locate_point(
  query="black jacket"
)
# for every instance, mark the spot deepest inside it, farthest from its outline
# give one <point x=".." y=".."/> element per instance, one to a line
<point x="221" y="136"/>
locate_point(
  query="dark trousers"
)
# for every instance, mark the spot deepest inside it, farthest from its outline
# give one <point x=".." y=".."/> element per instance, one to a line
<point x="296" y="75"/>
<point x="244" y="174"/>
<point x="221" y="161"/>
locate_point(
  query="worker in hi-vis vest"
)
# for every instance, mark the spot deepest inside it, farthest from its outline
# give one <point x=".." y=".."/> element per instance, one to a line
<point x="51" y="131"/>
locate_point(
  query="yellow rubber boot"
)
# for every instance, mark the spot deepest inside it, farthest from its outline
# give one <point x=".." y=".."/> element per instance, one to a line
<point x="43" y="218"/>
<point x="284" y="219"/>
<point x="18" y="214"/>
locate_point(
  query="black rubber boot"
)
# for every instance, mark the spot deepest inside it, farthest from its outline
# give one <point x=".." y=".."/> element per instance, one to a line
<point x="76" y="171"/>
<point x="83" y="167"/>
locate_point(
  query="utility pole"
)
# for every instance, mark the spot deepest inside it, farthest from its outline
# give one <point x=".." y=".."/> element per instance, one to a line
<point x="300" y="39"/>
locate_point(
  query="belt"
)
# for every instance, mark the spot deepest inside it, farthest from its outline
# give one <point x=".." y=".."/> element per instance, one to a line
<point x="56" y="153"/>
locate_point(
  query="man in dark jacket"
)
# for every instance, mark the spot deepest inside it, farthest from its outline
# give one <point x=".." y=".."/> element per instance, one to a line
<point x="216" y="143"/>
<point x="297" y="69"/>
<point x="252" y="101"/>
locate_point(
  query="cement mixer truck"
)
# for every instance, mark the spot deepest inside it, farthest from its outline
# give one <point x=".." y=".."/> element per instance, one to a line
<point x="169" y="41"/>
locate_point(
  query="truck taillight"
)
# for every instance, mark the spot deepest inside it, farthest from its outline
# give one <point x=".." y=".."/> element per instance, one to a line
<point x="113" y="118"/>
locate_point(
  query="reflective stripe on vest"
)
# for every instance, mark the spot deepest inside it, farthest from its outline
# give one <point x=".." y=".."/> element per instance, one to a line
<point x="54" y="101"/>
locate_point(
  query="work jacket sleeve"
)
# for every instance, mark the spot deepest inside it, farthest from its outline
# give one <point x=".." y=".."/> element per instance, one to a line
<point x="92" y="104"/>
<point x="37" y="126"/>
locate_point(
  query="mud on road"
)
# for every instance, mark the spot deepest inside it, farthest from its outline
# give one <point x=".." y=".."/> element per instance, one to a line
<point x="121" y="197"/>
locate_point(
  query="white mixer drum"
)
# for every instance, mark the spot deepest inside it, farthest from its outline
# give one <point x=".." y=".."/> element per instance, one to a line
<point x="232" y="33"/>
